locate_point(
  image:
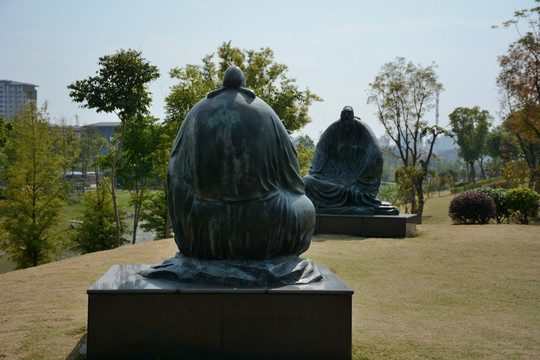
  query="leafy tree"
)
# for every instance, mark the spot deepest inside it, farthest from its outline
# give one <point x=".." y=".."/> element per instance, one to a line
<point x="305" y="148"/>
<point x="155" y="214"/>
<point x="67" y="147"/>
<point x="120" y="87"/>
<point x="97" y="231"/>
<point x="5" y="128"/>
<point x="519" y="83"/>
<point x="501" y="143"/>
<point x="403" y="94"/>
<point x="470" y="126"/>
<point x="34" y="190"/>
<point x="92" y="144"/>
<point x="136" y="167"/>
<point x="267" y="78"/>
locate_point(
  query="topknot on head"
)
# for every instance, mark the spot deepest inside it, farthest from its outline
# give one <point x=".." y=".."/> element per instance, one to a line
<point x="234" y="78"/>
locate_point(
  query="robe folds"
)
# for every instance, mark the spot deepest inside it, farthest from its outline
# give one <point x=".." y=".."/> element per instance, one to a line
<point x="345" y="173"/>
<point x="234" y="184"/>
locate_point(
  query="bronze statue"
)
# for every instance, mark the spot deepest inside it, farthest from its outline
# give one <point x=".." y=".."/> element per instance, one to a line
<point x="345" y="173"/>
<point x="235" y="194"/>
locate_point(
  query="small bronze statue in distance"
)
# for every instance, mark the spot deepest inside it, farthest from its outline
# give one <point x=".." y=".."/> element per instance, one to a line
<point x="236" y="195"/>
<point x="345" y="173"/>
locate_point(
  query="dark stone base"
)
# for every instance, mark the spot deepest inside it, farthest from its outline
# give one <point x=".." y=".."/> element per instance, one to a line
<point x="385" y="226"/>
<point x="133" y="317"/>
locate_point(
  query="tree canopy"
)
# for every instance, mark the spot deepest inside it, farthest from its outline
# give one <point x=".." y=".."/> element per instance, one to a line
<point x="519" y="83"/>
<point x="120" y="87"/>
<point x="267" y="78"/>
<point x="470" y="126"/>
<point x="404" y="93"/>
<point x="34" y="190"/>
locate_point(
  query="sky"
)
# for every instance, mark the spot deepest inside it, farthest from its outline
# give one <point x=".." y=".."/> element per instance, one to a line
<point x="334" y="48"/>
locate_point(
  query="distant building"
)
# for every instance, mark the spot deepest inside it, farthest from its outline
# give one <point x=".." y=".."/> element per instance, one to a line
<point x="106" y="129"/>
<point x="15" y="95"/>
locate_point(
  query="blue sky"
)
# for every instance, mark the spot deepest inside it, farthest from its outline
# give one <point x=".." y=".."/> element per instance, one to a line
<point x="336" y="48"/>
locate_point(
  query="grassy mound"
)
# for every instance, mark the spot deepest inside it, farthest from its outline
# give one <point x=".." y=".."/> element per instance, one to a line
<point x="459" y="292"/>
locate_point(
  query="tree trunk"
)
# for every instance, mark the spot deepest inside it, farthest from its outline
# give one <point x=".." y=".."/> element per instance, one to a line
<point x="481" y="163"/>
<point x="473" y="175"/>
<point x="136" y="212"/>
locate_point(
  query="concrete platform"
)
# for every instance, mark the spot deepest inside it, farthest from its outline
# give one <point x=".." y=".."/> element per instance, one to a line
<point x="384" y="226"/>
<point x="132" y="317"/>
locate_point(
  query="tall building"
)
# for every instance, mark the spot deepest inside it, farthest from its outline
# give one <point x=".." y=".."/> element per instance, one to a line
<point x="15" y="95"/>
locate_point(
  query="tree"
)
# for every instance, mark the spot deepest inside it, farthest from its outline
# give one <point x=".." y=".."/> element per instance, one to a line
<point x="403" y="94"/>
<point x="92" y="144"/>
<point x="97" y="231"/>
<point x="263" y="75"/>
<point x="305" y="148"/>
<point x="5" y="128"/>
<point x="34" y="190"/>
<point x="470" y="126"/>
<point x="519" y="83"/>
<point x="267" y="78"/>
<point x="121" y="87"/>
<point x="501" y="143"/>
<point x="136" y="166"/>
<point x="66" y="146"/>
<point x="156" y="215"/>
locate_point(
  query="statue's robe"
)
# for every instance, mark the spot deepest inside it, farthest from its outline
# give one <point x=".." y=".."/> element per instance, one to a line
<point x="345" y="173"/>
<point x="234" y="186"/>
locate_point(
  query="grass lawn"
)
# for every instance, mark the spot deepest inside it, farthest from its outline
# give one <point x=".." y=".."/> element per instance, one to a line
<point x="451" y="292"/>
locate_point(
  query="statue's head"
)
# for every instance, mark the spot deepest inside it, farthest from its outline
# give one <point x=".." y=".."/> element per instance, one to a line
<point x="233" y="78"/>
<point x="347" y="113"/>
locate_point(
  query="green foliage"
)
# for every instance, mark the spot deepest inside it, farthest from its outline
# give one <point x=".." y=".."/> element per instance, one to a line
<point x="523" y="203"/>
<point x="403" y="94"/>
<point x="5" y="128"/>
<point x="472" y="208"/>
<point x="136" y="166"/>
<point x="519" y="84"/>
<point x="66" y="145"/>
<point x="34" y="190"/>
<point x="121" y="87"/>
<point x="391" y="193"/>
<point x="155" y="215"/>
<point x="305" y="148"/>
<point x="263" y="75"/>
<point x="500" y="199"/>
<point x="97" y="231"/>
<point x="412" y="192"/>
<point x="501" y="143"/>
<point x="470" y="126"/>
<point x="516" y="173"/>
<point x="91" y="145"/>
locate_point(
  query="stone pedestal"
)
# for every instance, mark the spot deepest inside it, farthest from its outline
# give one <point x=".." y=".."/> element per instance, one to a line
<point x="132" y="317"/>
<point x="384" y="226"/>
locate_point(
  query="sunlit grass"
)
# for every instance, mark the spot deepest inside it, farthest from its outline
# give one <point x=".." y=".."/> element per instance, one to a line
<point x="451" y="292"/>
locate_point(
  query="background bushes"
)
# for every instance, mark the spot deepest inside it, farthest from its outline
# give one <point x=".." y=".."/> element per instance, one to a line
<point x="520" y="204"/>
<point x="523" y="202"/>
<point x="472" y="208"/>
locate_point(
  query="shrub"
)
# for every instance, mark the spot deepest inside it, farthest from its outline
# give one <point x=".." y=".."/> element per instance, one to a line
<point x="500" y="199"/>
<point x="523" y="203"/>
<point x="472" y="208"/>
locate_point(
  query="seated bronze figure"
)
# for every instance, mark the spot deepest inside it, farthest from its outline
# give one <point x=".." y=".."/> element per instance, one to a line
<point x="345" y="173"/>
<point x="234" y="184"/>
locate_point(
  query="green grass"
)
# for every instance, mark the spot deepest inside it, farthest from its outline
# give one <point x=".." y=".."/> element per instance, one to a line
<point x="451" y="292"/>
